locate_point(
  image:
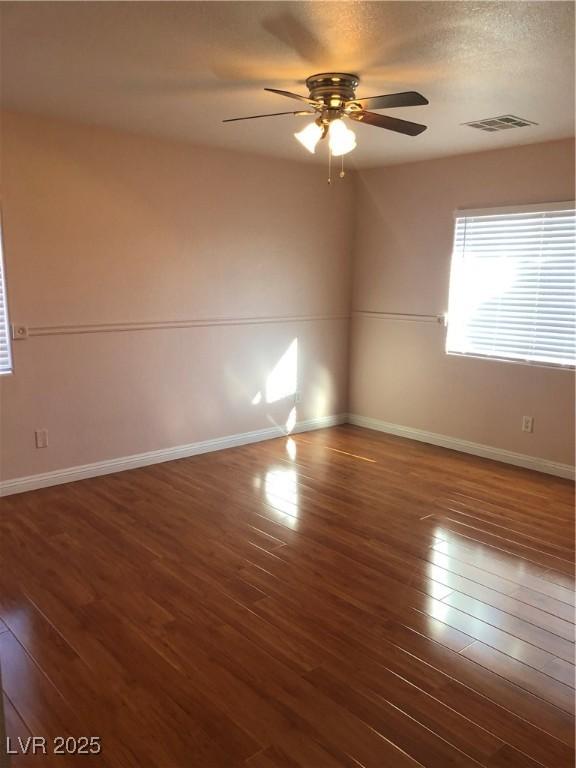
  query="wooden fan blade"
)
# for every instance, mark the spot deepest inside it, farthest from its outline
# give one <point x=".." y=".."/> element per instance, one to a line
<point x="390" y="123"/>
<point x="406" y="99"/>
<point x="272" y="114"/>
<point x="292" y="95"/>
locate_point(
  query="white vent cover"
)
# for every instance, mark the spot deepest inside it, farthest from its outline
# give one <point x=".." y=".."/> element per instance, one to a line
<point x="502" y="123"/>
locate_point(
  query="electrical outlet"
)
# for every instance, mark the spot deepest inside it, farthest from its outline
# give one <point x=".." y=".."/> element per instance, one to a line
<point x="41" y="436"/>
<point x="527" y="423"/>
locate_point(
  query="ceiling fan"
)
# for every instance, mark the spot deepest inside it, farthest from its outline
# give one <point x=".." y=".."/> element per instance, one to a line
<point x="333" y="98"/>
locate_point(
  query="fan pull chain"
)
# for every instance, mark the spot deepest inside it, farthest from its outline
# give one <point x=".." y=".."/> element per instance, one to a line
<point x="342" y="173"/>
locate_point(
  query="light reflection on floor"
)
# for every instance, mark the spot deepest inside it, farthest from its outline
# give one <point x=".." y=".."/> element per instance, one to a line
<point x="291" y="448"/>
<point x="437" y="609"/>
<point x="337" y="450"/>
<point x="438" y="591"/>
<point x="281" y="489"/>
<point x="475" y="554"/>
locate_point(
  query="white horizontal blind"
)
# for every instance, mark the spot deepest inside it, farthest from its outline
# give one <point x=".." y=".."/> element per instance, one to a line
<point x="5" y="352"/>
<point x="513" y="284"/>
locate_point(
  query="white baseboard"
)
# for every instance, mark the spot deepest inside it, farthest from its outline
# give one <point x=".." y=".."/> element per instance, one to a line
<point x="456" y="444"/>
<point x="71" y="474"/>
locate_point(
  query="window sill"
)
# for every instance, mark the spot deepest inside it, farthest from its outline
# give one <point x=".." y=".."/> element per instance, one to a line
<point x="514" y="361"/>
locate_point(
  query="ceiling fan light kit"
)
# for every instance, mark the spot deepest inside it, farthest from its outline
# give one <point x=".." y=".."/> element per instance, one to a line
<point x="332" y="100"/>
<point x="340" y="139"/>
<point x="310" y="136"/>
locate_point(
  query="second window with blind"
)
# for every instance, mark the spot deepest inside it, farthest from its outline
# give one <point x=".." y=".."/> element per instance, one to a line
<point x="5" y="351"/>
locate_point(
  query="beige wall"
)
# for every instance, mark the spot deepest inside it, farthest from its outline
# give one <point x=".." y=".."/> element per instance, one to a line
<point x="102" y="227"/>
<point x="399" y="372"/>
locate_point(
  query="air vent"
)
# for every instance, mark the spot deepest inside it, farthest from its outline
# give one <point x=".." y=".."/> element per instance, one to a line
<point x="502" y="123"/>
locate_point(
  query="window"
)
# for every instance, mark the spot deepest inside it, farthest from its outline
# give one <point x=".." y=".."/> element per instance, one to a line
<point x="5" y="352"/>
<point x="513" y="284"/>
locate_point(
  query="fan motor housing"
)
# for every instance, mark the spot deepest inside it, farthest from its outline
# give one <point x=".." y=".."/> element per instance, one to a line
<point x="333" y="88"/>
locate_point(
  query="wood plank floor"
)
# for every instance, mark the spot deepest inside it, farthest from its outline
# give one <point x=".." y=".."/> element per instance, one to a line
<point x="336" y="598"/>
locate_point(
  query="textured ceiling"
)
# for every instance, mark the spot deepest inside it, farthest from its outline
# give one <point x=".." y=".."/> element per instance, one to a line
<point x="177" y="69"/>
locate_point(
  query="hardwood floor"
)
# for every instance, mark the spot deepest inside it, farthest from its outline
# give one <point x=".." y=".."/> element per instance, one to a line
<point x="337" y="598"/>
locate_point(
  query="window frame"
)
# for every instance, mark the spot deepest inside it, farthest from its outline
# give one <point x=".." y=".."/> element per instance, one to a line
<point x="560" y="205"/>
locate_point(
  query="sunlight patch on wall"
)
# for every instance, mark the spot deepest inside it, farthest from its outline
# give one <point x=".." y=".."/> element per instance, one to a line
<point x="283" y="379"/>
<point x="322" y="394"/>
<point x="291" y="420"/>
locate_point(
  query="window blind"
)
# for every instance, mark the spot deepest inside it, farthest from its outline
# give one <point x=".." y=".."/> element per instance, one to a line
<point x="5" y="351"/>
<point x="513" y="284"/>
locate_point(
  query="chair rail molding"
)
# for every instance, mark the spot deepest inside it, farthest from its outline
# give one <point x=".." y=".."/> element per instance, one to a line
<point x="21" y="332"/>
